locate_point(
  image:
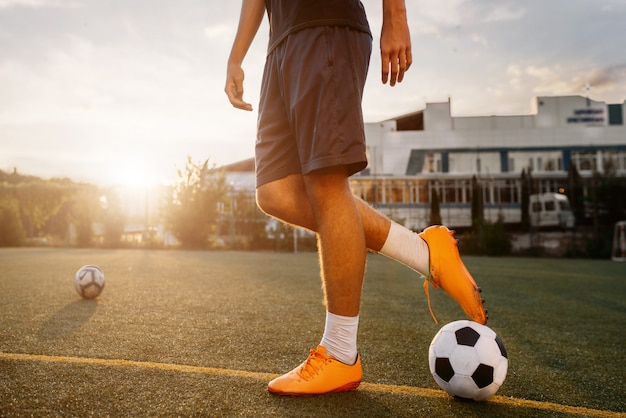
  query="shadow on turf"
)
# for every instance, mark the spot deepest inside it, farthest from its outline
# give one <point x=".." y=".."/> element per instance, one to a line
<point x="363" y="403"/>
<point x="68" y="319"/>
<point x="357" y="403"/>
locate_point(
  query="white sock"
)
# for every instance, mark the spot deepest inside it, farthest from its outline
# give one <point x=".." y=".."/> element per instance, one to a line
<point x="340" y="337"/>
<point x="408" y="248"/>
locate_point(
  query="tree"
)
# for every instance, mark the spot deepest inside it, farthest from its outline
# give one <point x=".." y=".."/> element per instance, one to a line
<point x="478" y="215"/>
<point x="191" y="212"/>
<point x="246" y="223"/>
<point x="575" y="193"/>
<point x="435" y="211"/>
<point x="525" y="200"/>
<point x="11" y="230"/>
<point x="39" y="201"/>
<point x="84" y="211"/>
<point x="113" y="219"/>
<point x="608" y="205"/>
<point x="47" y="208"/>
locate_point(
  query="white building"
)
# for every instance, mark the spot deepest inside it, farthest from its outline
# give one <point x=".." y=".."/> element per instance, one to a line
<point x="412" y="155"/>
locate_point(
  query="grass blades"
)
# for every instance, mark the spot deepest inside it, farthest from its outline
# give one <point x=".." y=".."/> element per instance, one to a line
<point x="561" y="320"/>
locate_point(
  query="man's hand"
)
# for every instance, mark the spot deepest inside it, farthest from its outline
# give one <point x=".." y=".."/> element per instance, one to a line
<point x="252" y="12"/>
<point x="395" y="45"/>
<point x="234" y="87"/>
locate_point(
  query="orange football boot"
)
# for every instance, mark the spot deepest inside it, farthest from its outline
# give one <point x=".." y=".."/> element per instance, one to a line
<point x="319" y="374"/>
<point x="448" y="272"/>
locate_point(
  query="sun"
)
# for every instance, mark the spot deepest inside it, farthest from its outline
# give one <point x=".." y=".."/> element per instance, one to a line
<point x="134" y="173"/>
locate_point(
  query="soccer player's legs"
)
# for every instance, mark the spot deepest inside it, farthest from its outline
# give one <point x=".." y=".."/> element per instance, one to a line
<point x="334" y="366"/>
<point x="327" y="157"/>
<point x="280" y="187"/>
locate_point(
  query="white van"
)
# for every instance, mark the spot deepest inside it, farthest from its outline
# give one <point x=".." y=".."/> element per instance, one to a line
<point x="551" y="210"/>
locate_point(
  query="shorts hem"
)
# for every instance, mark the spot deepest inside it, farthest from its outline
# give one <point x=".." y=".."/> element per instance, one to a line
<point x="353" y="166"/>
<point x="270" y="177"/>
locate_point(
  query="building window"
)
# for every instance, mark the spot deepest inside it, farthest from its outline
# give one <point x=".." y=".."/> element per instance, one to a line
<point x="615" y="114"/>
<point x="421" y="192"/>
<point x="463" y="190"/>
<point x="584" y="160"/>
<point x="614" y="161"/>
<point x="432" y="163"/>
<point x="397" y="193"/>
<point x="449" y="193"/>
<point x="508" y="192"/>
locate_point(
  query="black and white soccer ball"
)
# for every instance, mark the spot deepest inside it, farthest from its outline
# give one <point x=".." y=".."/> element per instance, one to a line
<point x="468" y="360"/>
<point x="89" y="281"/>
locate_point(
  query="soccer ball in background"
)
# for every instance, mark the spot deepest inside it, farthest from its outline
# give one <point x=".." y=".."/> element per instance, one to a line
<point x="89" y="281"/>
<point x="468" y="360"/>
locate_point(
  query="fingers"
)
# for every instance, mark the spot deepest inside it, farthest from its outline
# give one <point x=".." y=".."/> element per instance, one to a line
<point x="234" y="89"/>
<point x="235" y="96"/>
<point x="385" y="69"/>
<point x="404" y="62"/>
<point x="394" y="65"/>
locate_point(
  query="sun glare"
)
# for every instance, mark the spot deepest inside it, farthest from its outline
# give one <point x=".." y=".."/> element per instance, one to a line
<point x="133" y="174"/>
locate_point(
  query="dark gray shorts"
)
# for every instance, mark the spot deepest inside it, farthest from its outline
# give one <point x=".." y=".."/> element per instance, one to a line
<point x="310" y="115"/>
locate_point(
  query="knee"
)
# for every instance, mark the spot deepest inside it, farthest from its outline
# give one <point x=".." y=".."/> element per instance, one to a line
<point x="286" y="201"/>
<point x="268" y="202"/>
<point x="327" y="189"/>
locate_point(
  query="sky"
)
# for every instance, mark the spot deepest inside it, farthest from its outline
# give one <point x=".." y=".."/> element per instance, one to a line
<point x="123" y="92"/>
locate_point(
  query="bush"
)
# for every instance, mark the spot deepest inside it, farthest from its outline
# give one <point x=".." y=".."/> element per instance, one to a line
<point x="497" y="240"/>
<point x="493" y="240"/>
<point x="11" y="230"/>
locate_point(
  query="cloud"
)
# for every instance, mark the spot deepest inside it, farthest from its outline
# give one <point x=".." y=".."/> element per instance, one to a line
<point x="23" y="3"/>
<point x="504" y="13"/>
<point x="5" y="4"/>
<point x="479" y="39"/>
<point x="79" y="74"/>
<point x="221" y="30"/>
<point x="432" y="17"/>
<point x="604" y="82"/>
<point x="558" y="80"/>
<point x="606" y="8"/>
<point x="606" y="78"/>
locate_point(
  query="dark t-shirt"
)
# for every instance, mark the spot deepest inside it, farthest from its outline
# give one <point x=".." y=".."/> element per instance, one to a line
<point x="289" y="16"/>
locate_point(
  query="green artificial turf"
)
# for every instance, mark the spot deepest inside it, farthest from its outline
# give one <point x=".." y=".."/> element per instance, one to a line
<point x="561" y="320"/>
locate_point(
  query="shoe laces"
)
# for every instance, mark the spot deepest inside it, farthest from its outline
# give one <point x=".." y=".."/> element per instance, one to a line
<point x="426" y="281"/>
<point x="313" y="364"/>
